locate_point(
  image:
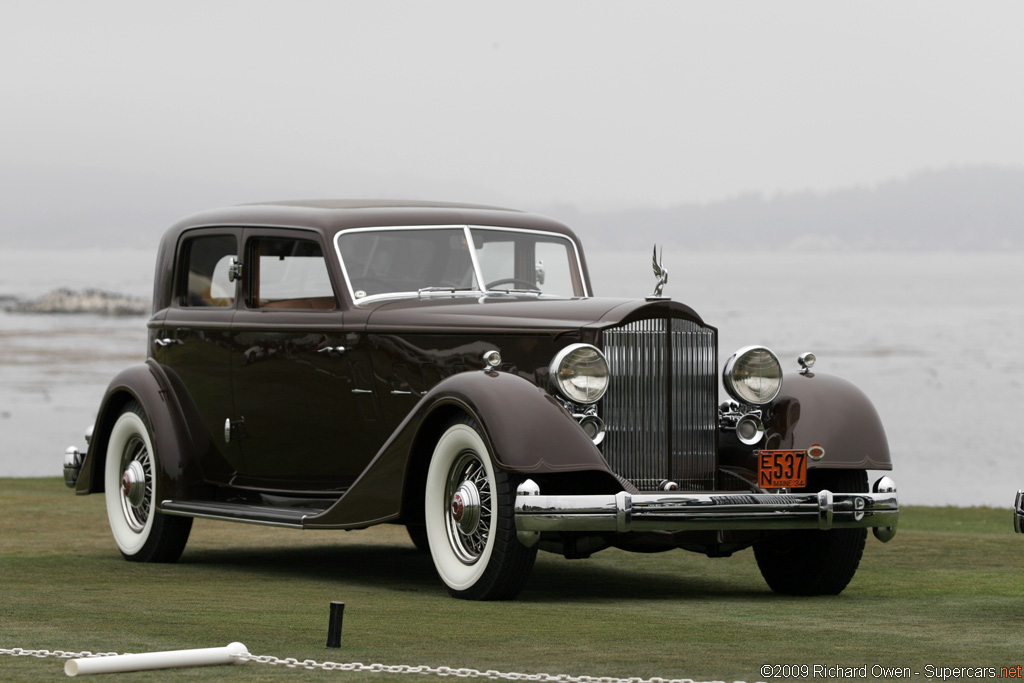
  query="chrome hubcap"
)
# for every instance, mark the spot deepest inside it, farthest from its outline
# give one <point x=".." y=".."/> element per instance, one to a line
<point x="466" y="507"/>
<point x="133" y="484"/>
<point x="136" y="484"/>
<point x="468" y="517"/>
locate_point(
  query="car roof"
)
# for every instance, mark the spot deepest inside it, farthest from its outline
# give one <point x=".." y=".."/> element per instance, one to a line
<point x="331" y="215"/>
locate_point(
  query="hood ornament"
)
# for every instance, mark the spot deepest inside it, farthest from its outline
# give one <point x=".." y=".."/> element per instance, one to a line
<point x="660" y="273"/>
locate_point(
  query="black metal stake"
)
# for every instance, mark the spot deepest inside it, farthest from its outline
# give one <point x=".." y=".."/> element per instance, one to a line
<point x="334" y="629"/>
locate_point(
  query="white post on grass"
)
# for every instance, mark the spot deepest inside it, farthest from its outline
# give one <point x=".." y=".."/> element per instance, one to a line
<point x="147" y="661"/>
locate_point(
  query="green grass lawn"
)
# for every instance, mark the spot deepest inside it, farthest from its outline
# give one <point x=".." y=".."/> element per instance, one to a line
<point x="946" y="592"/>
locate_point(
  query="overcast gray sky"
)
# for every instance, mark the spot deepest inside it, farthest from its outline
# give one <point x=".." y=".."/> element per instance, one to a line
<point x="600" y="104"/>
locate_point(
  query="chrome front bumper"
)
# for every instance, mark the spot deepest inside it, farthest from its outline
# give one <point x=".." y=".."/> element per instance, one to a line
<point x="1018" y="512"/>
<point x="672" y="511"/>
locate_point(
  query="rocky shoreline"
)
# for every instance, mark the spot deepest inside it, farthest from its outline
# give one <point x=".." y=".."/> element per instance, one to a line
<point x="65" y="300"/>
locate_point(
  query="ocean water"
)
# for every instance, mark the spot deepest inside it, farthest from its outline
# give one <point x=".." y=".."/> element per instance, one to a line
<point x="933" y="338"/>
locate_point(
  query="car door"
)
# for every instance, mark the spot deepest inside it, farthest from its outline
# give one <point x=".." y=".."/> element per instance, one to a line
<point x="293" y="369"/>
<point x="191" y="342"/>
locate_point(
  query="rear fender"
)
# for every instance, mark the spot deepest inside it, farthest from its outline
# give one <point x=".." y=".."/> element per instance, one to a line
<point x="526" y="430"/>
<point x="829" y="411"/>
<point x="177" y="472"/>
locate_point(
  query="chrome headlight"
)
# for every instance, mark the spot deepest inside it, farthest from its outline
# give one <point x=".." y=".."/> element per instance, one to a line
<point x="753" y="375"/>
<point x="580" y="373"/>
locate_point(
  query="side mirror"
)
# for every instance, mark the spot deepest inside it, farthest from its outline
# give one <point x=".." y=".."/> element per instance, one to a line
<point x="234" y="270"/>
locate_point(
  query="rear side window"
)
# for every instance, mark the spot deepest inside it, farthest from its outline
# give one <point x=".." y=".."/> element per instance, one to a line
<point x="289" y="273"/>
<point x="205" y="281"/>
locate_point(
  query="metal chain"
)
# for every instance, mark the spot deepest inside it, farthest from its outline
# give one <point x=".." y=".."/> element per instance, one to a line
<point x="63" y="654"/>
<point x="312" y="664"/>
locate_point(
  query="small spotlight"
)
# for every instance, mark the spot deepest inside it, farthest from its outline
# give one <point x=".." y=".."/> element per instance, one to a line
<point x="492" y="359"/>
<point x="749" y="429"/>
<point x="593" y="427"/>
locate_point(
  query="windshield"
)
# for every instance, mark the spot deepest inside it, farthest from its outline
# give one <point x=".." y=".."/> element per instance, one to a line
<point x="423" y="261"/>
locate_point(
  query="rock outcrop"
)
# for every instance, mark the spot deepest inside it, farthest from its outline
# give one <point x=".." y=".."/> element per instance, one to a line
<point x="83" y="301"/>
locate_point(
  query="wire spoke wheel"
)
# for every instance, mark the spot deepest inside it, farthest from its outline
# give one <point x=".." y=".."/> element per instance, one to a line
<point x="141" y="532"/>
<point x="136" y="489"/>
<point x="469" y="513"/>
<point x="469" y="517"/>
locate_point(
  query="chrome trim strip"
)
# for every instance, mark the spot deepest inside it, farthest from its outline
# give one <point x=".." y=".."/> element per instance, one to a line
<point x="623" y="512"/>
<point x="248" y="514"/>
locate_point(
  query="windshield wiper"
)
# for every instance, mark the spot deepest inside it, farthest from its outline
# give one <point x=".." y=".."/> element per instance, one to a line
<point x="516" y="291"/>
<point x="429" y="290"/>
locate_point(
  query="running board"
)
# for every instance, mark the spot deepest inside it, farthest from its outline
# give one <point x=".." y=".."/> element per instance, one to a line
<point x="236" y="512"/>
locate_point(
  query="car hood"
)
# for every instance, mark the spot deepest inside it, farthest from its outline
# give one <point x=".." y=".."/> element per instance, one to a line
<point x="513" y="313"/>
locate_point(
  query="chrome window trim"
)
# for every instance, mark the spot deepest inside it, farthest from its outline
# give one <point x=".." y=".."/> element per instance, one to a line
<point x="467" y="231"/>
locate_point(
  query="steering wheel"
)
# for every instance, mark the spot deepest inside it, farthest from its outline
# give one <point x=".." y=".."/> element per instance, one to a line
<point x="532" y="286"/>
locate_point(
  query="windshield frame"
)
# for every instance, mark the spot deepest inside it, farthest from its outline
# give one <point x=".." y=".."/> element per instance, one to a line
<point x="575" y="261"/>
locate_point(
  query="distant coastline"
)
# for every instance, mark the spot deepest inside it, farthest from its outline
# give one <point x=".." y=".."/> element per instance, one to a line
<point x="64" y="300"/>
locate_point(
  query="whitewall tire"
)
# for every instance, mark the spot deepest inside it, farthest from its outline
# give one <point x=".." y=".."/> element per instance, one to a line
<point x="468" y="509"/>
<point x="130" y="484"/>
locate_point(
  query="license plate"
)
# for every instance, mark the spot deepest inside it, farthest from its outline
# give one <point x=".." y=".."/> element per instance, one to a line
<point x="782" y="469"/>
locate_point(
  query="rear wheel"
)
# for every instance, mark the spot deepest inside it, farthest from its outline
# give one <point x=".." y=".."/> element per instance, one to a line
<point x="468" y="509"/>
<point x="811" y="562"/>
<point x="418" y="536"/>
<point x="141" y="533"/>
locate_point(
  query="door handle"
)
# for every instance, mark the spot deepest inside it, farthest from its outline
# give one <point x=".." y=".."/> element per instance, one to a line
<point x="332" y="349"/>
<point x="167" y="342"/>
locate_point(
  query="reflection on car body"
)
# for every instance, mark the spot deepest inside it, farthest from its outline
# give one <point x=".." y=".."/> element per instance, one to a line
<point x="339" y="364"/>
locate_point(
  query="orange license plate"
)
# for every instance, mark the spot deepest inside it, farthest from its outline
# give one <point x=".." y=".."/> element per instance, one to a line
<point x="782" y="469"/>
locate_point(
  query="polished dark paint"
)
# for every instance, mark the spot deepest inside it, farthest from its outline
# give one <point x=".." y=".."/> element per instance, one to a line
<point x="149" y="386"/>
<point x="525" y="429"/>
<point x="816" y="408"/>
<point x="420" y="362"/>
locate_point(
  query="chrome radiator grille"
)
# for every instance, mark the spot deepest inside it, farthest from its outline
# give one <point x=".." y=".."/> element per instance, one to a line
<point x="661" y="407"/>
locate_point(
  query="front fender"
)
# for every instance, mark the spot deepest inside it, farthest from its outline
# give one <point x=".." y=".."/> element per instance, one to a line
<point x="147" y="385"/>
<point x="525" y="429"/>
<point x="823" y="409"/>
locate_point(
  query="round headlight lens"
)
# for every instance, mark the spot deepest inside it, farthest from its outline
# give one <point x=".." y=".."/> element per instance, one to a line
<point x="580" y="373"/>
<point x="753" y="375"/>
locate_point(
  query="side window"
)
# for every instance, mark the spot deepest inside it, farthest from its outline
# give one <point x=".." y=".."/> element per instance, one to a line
<point x="289" y="273"/>
<point x="205" y="281"/>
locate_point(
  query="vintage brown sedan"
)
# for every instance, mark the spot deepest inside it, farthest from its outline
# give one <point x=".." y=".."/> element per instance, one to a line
<point x="340" y="364"/>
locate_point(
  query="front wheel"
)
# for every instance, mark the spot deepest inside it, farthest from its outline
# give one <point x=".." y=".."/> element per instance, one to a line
<point x="468" y="509"/>
<point x="811" y="562"/>
<point x="129" y="478"/>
